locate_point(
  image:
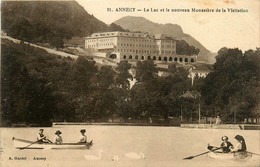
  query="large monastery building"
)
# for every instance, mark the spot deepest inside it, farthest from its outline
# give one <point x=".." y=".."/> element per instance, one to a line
<point x="134" y="46"/>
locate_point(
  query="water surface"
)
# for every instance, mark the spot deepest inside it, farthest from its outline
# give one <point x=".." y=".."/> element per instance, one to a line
<point x="162" y="147"/>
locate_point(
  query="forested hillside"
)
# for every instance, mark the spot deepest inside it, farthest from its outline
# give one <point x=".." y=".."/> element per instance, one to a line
<point x="38" y="87"/>
<point x="49" y="21"/>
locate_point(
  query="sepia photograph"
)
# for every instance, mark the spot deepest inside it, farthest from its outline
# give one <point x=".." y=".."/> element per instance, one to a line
<point x="130" y="83"/>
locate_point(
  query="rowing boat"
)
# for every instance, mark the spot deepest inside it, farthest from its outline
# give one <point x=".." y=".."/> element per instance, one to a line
<point x="230" y="156"/>
<point x="23" y="144"/>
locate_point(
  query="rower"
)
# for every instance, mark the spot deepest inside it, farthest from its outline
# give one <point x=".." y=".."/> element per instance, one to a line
<point x="58" y="138"/>
<point x="83" y="137"/>
<point x="226" y="145"/>
<point x="41" y="138"/>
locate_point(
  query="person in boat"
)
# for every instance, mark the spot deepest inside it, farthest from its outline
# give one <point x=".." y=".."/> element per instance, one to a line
<point x="41" y="138"/>
<point x="241" y="144"/>
<point x="83" y="137"/>
<point x="58" y="138"/>
<point x="226" y="145"/>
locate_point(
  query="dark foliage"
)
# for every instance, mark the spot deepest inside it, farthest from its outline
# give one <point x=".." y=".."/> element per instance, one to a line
<point x="231" y="90"/>
<point x="183" y="48"/>
<point x="38" y="88"/>
<point x="48" y="21"/>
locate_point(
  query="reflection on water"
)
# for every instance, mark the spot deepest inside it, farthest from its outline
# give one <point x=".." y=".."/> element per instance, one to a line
<point x="161" y="146"/>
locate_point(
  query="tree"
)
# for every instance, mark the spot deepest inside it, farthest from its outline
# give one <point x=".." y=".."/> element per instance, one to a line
<point x="115" y="27"/>
<point x="82" y="85"/>
<point x="83" y="76"/>
<point x="123" y="75"/>
<point x="229" y="89"/>
<point x="104" y="96"/>
<point x="146" y="71"/>
<point x="26" y="96"/>
<point x="183" y="48"/>
<point x="105" y="77"/>
<point x="56" y="41"/>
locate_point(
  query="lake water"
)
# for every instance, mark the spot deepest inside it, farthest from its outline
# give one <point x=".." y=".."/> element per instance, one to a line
<point x="161" y="146"/>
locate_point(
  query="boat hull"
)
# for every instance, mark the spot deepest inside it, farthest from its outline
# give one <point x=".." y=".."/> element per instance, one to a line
<point x="26" y="144"/>
<point x="230" y="156"/>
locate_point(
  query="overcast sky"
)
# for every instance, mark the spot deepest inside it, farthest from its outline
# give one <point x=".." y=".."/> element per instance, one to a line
<point x="214" y="30"/>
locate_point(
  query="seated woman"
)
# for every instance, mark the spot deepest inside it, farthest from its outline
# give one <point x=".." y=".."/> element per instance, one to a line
<point x="58" y="138"/>
<point x="241" y="144"/>
<point x="226" y="145"/>
<point x="83" y="137"/>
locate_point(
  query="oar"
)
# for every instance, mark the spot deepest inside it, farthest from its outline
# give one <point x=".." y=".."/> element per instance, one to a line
<point x="49" y="140"/>
<point x="253" y="153"/>
<point x="28" y="145"/>
<point x="191" y="157"/>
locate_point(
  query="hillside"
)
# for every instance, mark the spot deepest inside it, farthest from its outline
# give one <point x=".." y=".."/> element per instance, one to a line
<point x="144" y="25"/>
<point x="67" y="16"/>
<point x="55" y="22"/>
<point x="48" y="21"/>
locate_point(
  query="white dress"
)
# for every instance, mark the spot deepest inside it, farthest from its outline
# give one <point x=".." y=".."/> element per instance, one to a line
<point x="82" y="139"/>
<point x="58" y="139"/>
<point x="237" y="147"/>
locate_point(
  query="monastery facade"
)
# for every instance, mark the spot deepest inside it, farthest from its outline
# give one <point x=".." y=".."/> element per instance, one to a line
<point x="134" y="46"/>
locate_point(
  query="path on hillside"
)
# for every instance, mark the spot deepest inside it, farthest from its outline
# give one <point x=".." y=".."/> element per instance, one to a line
<point x="51" y="51"/>
<point x="99" y="60"/>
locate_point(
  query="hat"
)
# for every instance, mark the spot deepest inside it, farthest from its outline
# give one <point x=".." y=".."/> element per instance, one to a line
<point x="224" y="138"/>
<point x="58" y="132"/>
<point x="82" y="130"/>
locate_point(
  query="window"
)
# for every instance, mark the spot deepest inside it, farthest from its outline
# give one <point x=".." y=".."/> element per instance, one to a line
<point x="159" y="58"/>
<point x="124" y="57"/>
<point x="170" y="59"/>
<point x="180" y="59"/>
<point x="130" y="57"/>
<point x="136" y="57"/>
<point x="154" y="58"/>
<point x="142" y="57"/>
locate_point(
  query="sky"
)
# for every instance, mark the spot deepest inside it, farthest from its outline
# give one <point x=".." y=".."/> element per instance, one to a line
<point x="214" y="30"/>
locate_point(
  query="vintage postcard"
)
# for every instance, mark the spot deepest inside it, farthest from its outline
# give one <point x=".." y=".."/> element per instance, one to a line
<point x="140" y="83"/>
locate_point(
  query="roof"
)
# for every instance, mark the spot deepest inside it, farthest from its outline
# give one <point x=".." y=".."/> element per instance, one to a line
<point x="203" y="67"/>
<point x="130" y="34"/>
<point x="191" y="94"/>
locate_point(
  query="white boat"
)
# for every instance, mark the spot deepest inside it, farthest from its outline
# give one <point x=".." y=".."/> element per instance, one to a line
<point x="230" y="156"/>
<point x="27" y="144"/>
